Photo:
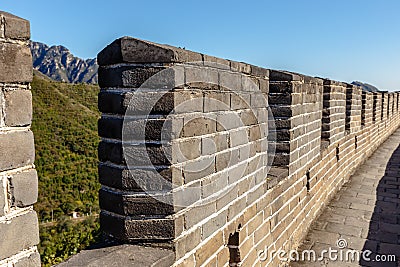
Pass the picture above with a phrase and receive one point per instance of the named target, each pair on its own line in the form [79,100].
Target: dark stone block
[141,230]
[132,77]
[134,206]
[135,179]
[122,255]
[136,155]
[111,152]
[276,174]
[133,129]
[110,127]
[280,99]
[131,50]
[281,87]
[276,75]
[135,103]
[281,159]
[282,111]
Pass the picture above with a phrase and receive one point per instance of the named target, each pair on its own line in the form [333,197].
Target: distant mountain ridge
[57,63]
[366,87]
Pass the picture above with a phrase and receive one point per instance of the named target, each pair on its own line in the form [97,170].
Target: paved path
[365,213]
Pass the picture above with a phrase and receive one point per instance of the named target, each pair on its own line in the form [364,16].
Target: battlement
[203,161]
[221,159]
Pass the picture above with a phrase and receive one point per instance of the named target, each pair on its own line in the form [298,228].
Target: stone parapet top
[122,255]
[13,27]
[132,50]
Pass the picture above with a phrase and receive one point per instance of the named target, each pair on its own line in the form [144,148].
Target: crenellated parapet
[221,160]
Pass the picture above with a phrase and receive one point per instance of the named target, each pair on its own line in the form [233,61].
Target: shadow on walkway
[383,238]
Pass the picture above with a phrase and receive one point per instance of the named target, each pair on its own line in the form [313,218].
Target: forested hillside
[65,129]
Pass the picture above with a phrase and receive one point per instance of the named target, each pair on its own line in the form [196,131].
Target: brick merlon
[15,27]
[136,51]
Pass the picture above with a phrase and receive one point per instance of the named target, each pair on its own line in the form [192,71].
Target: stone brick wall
[298,121]
[334,111]
[187,140]
[366,109]
[353,108]
[19,232]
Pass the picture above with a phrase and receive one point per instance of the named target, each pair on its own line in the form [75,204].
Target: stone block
[201,77]
[197,126]
[132,77]
[214,184]
[15,63]
[275,75]
[21,233]
[214,224]
[135,103]
[187,149]
[131,50]
[187,101]
[15,27]
[135,155]
[32,260]
[24,188]
[187,242]
[205,252]
[134,129]
[120,177]
[16,149]
[230,81]
[250,84]
[198,169]
[122,255]
[216,62]
[239,137]
[135,205]
[18,108]
[142,230]
[259,72]
[228,121]
[240,100]
[198,212]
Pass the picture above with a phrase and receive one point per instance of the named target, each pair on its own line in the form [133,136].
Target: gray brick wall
[19,230]
[188,140]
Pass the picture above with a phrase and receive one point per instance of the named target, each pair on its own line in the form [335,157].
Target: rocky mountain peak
[59,64]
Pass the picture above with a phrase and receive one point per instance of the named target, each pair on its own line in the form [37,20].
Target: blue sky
[344,40]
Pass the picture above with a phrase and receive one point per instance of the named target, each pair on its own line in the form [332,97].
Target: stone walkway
[364,215]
